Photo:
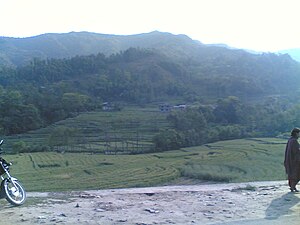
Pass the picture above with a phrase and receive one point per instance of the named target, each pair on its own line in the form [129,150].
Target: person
[292,160]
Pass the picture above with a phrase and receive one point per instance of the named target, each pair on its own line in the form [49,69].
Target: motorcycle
[11,188]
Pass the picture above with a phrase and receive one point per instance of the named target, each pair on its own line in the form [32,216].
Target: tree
[167,140]
[16,116]
[229,110]
[75,102]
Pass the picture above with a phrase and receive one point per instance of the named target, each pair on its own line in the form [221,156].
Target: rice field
[130,131]
[240,160]
[227,161]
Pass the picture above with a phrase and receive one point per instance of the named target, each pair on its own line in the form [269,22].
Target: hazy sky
[262,25]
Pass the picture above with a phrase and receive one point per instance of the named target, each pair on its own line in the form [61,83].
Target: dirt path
[245,203]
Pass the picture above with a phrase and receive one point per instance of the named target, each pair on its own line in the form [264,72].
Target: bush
[21,147]
[167,140]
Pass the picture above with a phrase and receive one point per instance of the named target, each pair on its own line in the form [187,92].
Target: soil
[234,203]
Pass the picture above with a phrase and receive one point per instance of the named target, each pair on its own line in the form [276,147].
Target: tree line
[229,118]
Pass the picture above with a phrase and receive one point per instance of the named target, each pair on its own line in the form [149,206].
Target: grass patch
[219,173]
[48,165]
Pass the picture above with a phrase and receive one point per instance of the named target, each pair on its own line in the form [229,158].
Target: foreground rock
[245,203]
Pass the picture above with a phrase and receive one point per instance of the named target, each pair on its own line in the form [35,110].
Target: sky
[259,25]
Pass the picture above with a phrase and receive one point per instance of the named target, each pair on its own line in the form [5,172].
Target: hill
[294,53]
[196,66]
[230,88]
[177,58]
[20,51]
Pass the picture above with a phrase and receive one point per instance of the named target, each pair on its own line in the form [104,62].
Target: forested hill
[19,51]
[230,71]
[50,77]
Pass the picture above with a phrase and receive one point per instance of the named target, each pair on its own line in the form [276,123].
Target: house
[165,107]
[181,107]
[107,106]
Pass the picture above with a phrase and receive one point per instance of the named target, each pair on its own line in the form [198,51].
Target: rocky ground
[243,203]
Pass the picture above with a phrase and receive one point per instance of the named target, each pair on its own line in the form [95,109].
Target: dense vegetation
[230,93]
[228,119]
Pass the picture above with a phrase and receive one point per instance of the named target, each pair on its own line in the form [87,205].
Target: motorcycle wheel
[15,194]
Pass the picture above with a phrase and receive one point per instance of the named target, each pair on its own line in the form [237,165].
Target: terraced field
[73,171]
[130,130]
[226,161]
[238,160]
[81,164]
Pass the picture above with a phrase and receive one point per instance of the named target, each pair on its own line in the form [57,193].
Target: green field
[127,131]
[82,164]
[227,161]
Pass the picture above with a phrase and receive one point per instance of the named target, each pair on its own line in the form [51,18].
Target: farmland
[130,131]
[98,155]
[227,161]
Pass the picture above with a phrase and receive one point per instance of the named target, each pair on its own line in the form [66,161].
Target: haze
[260,25]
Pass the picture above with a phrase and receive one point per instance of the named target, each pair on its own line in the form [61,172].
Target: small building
[165,107]
[181,107]
[107,106]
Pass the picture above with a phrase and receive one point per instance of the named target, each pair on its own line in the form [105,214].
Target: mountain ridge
[20,51]
[293,52]
[226,67]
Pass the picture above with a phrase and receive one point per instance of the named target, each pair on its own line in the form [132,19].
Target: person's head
[295,132]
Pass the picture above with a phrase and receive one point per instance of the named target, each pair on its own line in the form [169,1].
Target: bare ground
[239,203]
